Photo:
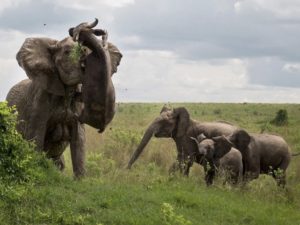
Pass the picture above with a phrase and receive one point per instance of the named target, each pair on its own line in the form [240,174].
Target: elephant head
[213,149]
[183,120]
[241,139]
[169,124]
[48,63]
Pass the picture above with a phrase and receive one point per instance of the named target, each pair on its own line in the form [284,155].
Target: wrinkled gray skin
[220,153]
[52,102]
[176,124]
[262,153]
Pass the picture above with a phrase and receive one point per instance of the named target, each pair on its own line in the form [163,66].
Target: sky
[174,50]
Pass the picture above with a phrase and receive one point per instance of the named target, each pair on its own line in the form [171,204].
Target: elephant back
[17,93]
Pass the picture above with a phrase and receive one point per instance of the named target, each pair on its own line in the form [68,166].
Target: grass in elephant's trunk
[76,53]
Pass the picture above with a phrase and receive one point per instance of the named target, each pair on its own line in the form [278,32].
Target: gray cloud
[209,29]
[273,72]
[195,49]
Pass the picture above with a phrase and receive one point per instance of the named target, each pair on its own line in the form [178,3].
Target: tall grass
[147,194]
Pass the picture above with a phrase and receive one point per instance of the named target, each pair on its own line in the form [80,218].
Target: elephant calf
[262,153]
[219,154]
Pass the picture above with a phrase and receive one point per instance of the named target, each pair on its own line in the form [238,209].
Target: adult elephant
[178,125]
[262,153]
[63,92]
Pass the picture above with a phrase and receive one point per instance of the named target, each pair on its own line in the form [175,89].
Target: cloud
[6,4]
[163,76]
[10,73]
[270,71]
[293,68]
[202,29]
[174,50]
[288,9]
[91,4]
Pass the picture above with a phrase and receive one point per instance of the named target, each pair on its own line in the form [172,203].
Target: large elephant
[62,94]
[220,153]
[176,124]
[262,153]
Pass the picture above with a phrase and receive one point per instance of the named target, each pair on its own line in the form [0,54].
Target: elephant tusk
[76,37]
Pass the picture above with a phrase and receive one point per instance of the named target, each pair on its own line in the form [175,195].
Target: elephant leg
[35,128]
[187,165]
[77,148]
[179,164]
[210,172]
[280,177]
[279,174]
[60,162]
[36,121]
[174,168]
[54,150]
[234,179]
[209,176]
[281,181]
[182,165]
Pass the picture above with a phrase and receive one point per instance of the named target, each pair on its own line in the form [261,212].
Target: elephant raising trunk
[98,92]
[64,92]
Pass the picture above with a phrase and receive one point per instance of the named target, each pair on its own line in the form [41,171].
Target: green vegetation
[281,118]
[76,53]
[110,194]
[19,163]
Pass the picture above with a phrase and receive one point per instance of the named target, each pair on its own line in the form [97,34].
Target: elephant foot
[60,163]
[79,174]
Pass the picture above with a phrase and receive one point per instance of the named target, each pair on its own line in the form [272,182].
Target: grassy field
[146,194]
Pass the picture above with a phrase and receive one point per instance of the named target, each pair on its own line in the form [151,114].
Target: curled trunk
[97,89]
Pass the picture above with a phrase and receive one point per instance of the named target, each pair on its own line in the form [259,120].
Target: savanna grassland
[147,194]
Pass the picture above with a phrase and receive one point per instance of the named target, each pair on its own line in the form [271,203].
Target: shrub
[281,118]
[19,162]
[171,218]
[217,111]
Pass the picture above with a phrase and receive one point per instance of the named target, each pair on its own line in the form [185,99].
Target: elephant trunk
[146,138]
[93,24]
[97,88]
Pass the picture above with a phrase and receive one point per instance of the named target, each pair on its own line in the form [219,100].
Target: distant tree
[281,118]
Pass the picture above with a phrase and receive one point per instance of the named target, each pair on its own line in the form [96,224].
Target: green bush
[281,118]
[19,162]
[171,218]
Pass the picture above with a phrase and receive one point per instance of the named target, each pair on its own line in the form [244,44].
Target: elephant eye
[67,51]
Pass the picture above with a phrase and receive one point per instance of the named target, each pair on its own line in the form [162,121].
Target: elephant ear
[115,57]
[35,57]
[201,137]
[222,146]
[240,139]
[183,119]
[165,108]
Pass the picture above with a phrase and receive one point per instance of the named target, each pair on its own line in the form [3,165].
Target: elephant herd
[62,94]
[218,146]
